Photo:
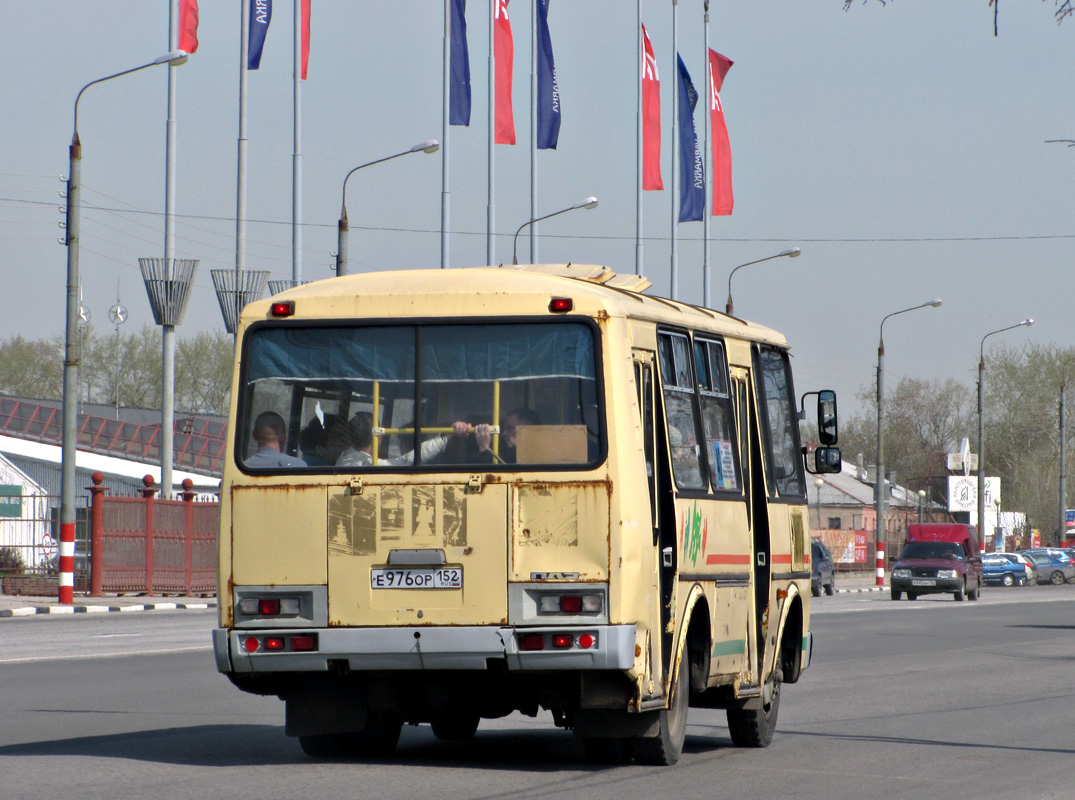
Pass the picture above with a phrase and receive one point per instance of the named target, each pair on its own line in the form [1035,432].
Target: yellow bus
[451,495]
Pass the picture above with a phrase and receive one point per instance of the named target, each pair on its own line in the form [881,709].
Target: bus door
[659,641]
[757,517]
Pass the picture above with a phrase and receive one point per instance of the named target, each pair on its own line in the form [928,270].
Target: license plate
[923,583]
[417,578]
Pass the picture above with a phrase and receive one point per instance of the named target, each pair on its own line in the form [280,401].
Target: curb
[28,611]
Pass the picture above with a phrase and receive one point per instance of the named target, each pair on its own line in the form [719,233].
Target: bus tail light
[532,641]
[304,643]
[570,604]
[562,641]
[274,643]
[269,606]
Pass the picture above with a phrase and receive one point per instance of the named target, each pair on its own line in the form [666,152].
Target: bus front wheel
[754,727]
[665,748]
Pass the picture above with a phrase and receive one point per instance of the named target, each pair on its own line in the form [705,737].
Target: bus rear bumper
[599,647]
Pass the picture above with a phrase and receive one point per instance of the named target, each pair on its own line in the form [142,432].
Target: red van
[939,559]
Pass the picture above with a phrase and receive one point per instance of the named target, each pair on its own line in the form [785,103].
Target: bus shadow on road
[549,750]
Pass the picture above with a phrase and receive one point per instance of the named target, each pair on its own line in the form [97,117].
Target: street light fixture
[921,500]
[879,485]
[589,202]
[981,426]
[792,253]
[429,146]
[71,355]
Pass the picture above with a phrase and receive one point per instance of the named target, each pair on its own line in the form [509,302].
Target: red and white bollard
[67,563]
[880,563]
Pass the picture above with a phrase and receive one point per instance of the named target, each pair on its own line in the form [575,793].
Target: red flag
[305,37]
[188,25]
[651,118]
[722,148]
[504,55]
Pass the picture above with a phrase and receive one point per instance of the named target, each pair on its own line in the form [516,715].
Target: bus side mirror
[827,428]
[827,460]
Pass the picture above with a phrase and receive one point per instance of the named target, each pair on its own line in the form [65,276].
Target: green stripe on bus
[732,647]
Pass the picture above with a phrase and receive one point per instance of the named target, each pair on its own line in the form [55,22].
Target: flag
[305,31]
[722,148]
[548,97]
[504,56]
[691,165]
[459,91]
[188,25]
[260,16]
[651,118]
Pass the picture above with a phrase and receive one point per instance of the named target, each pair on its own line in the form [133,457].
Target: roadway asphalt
[25,605]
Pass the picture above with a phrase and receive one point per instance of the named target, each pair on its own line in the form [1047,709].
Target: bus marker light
[560,305]
[562,641]
[586,641]
[282,308]
[250,644]
[533,641]
[274,643]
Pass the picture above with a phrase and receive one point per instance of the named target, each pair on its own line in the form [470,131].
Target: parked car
[1051,568]
[1028,565]
[824,570]
[998,569]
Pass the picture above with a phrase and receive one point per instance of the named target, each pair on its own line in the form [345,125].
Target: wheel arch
[792,633]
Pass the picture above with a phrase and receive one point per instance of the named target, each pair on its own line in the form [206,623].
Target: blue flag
[459,92]
[548,90]
[260,16]
[691,165]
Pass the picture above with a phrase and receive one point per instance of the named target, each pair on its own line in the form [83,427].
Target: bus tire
[664,749]
[455,725]
[324,745]
[754,727]
[379,738]
[603,750]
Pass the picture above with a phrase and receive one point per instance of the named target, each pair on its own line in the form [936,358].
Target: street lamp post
[879,485]
[589,202]
[921,500]
[430,146]
[728,306]
[981,426]
[1062,529]
[71,355]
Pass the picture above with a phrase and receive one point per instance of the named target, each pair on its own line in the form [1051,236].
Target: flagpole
[533,133]
[446,106]
[490,254]
[168,331]
[675,153]
[638,139]
[706,166]
[240,187]
[296,159]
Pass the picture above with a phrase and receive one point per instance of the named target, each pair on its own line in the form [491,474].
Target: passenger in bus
[508,437]
[359,454]
[270,435]
[322,442]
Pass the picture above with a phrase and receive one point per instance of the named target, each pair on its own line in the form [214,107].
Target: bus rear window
[350,397]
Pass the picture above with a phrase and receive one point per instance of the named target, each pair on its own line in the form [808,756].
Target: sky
[901,146]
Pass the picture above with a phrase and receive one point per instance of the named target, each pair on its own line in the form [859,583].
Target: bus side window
[776,409]
[718,423]
[679,409]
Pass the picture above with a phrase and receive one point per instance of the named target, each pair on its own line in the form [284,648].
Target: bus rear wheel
[664,749]
[455,725]
[379,738]
[754,727]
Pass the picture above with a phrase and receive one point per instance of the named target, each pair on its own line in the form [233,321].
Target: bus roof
[492,291]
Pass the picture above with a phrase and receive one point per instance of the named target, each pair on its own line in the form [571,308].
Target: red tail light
[532,641]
